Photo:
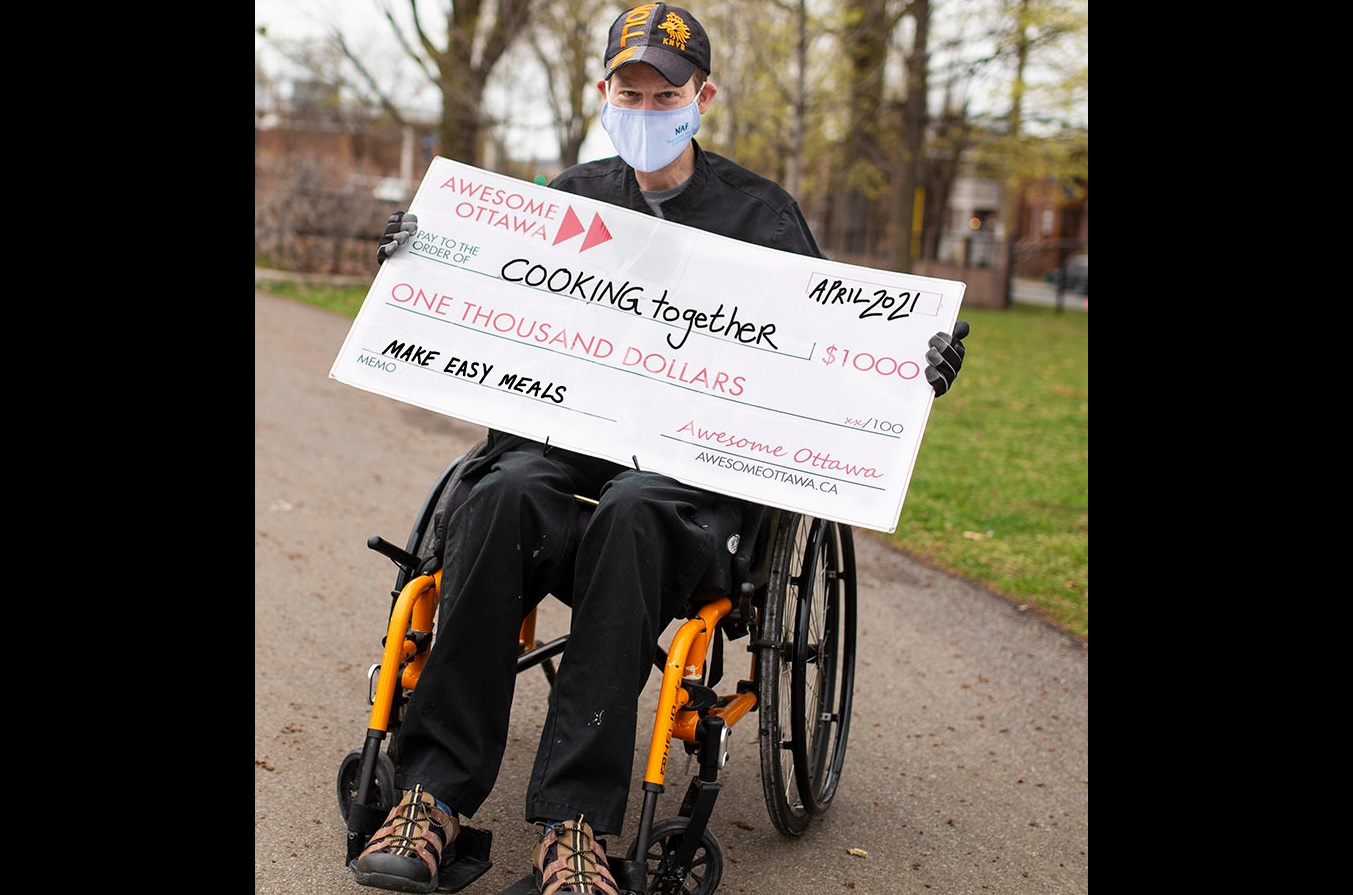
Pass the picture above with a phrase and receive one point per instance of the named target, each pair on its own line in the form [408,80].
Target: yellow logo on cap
[678,32]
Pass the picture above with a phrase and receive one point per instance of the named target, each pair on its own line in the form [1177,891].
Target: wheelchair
[793,602]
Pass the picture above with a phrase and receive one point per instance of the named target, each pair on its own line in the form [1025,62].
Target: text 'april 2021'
[873,301]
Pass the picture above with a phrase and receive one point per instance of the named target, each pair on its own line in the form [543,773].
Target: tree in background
[1049,147]
[913,124]
[566,45]
[864,109]
[765,98]
[472,43]
[862,179]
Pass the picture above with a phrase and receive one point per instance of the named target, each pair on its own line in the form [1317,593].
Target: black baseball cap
[664,36]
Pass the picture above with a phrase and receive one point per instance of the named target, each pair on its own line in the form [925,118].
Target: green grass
[1000,493]
[345,300]
[1001,489]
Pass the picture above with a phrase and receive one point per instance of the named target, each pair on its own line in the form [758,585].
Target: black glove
[402,225]
[945,358]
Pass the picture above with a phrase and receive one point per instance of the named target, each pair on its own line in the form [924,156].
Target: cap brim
[676,69]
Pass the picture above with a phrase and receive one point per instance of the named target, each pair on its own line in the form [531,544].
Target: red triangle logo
[570,228]
[596,234]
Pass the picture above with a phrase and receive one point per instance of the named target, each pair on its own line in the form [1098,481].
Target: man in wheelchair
[515,538]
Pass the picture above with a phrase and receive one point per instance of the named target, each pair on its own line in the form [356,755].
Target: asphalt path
[967,769]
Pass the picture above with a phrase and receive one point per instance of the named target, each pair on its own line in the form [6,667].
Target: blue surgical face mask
[650,140]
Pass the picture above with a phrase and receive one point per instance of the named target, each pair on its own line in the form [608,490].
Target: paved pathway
[967,771]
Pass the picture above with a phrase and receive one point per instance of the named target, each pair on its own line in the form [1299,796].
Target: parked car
[1075,274]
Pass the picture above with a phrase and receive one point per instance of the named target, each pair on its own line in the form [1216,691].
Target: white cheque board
[783,379]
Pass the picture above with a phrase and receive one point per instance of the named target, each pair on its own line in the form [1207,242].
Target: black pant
[514,540]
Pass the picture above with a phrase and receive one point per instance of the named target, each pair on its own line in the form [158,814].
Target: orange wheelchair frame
[796,605]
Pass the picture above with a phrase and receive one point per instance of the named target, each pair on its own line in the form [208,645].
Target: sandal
[569,859]
[405,854]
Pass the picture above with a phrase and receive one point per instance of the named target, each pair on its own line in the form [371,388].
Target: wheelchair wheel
[805,678]
[424,531]
[383,795]
[666,877]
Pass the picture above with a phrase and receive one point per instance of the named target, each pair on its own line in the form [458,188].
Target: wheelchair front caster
[383,795]
[668,877]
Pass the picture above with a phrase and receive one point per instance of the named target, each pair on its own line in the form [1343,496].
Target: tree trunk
[914,121]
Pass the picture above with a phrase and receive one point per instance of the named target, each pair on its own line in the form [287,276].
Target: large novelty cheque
[779,378]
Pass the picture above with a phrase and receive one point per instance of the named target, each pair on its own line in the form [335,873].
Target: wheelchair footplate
[629,876]
[471,860]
